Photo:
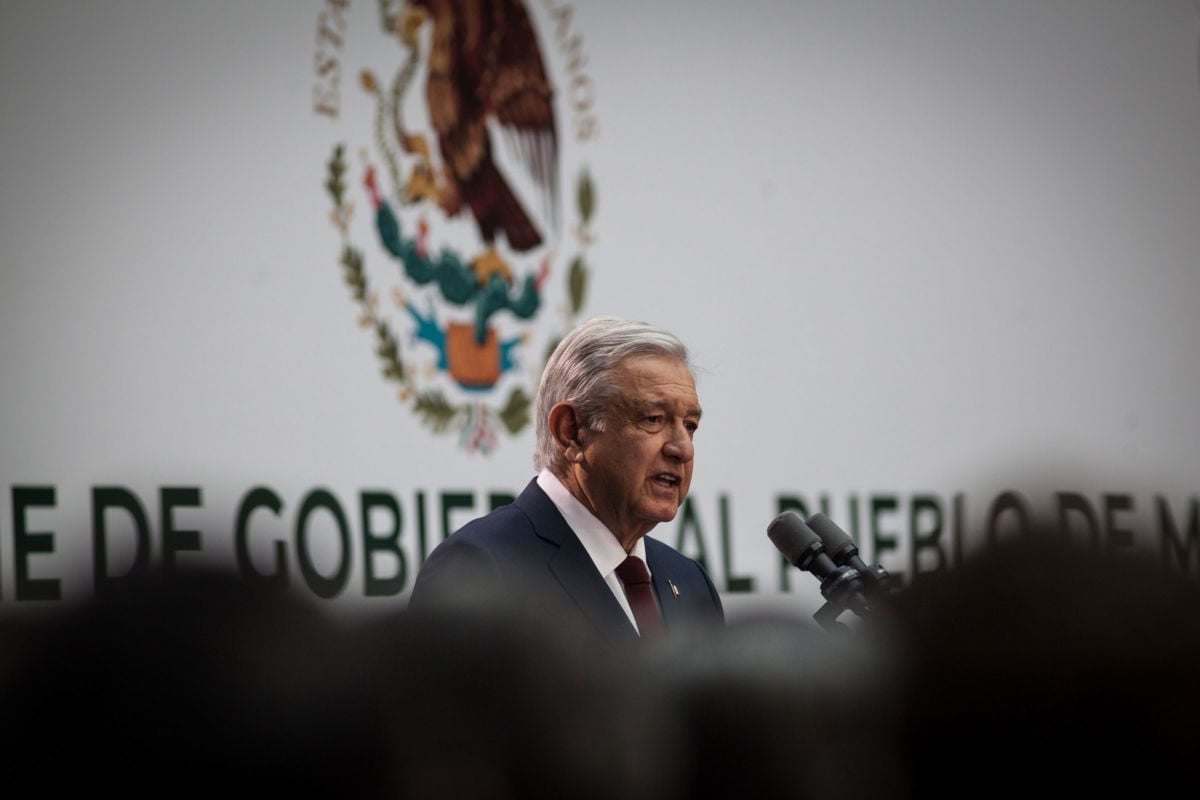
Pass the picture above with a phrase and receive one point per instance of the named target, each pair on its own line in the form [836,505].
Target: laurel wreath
[431,405]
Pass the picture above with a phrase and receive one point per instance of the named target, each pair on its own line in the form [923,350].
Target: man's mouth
[667,479]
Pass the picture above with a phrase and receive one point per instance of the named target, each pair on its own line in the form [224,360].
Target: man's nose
[679,444]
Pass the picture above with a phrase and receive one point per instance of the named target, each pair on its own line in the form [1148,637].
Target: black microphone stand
[842,591]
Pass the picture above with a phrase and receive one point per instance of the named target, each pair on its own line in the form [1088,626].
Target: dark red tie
[634,575]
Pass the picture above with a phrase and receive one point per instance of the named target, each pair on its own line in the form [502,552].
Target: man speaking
[617,411]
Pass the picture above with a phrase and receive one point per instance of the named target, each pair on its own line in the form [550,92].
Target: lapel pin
[674,588]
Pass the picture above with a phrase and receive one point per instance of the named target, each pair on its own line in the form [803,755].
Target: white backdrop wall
[927,254]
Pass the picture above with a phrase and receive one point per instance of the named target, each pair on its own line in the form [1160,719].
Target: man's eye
[654,419]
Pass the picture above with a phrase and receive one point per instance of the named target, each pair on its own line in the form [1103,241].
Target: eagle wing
[521,98]
[485,65]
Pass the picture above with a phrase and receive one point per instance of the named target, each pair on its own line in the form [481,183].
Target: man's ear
[567,431]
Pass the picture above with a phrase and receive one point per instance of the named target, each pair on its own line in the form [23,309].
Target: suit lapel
[573,568]
[661,582]
[578,577]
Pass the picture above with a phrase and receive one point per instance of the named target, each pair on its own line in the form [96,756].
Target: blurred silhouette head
[771,708]
[491,704]
[1045,662]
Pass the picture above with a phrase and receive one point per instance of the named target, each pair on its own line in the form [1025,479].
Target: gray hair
[580,372]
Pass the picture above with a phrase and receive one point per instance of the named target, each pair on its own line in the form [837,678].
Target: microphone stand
[842,590]
[827,617]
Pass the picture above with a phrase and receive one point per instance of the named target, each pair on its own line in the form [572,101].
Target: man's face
[636,473]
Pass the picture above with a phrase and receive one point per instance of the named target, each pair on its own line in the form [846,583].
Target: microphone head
[843,551]
[792,537]
[801,546]
[837,542]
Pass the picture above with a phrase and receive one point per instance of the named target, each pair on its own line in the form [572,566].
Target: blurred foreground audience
[188,685]
[1049,669]
[1034,669]
[196,685]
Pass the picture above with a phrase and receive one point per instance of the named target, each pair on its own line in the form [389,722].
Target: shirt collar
[599,542]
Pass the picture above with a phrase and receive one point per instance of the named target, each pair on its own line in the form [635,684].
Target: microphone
[842,550]
[841,586]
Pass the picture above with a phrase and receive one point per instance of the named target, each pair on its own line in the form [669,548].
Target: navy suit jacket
[527,551]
